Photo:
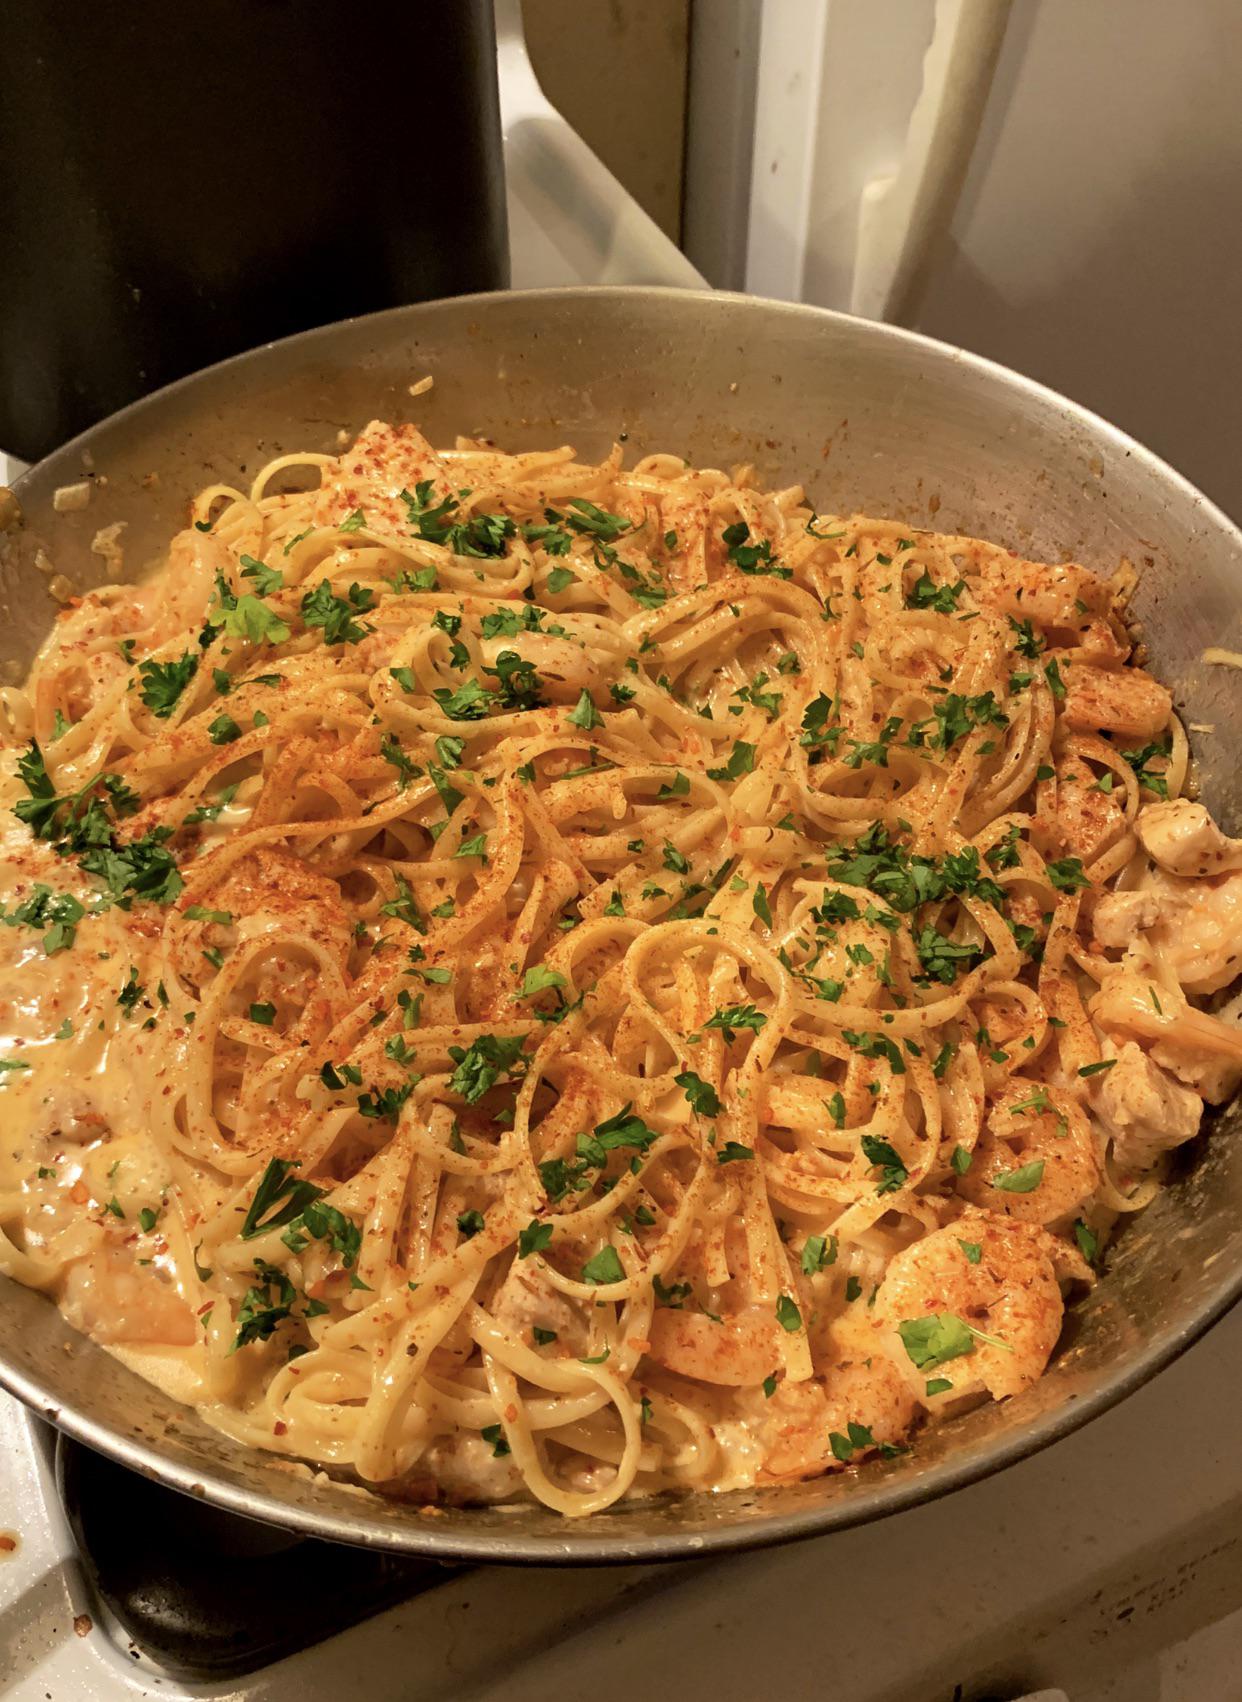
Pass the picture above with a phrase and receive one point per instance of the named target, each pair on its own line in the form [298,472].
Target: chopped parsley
[844,1447]
[1153,779]
[58,912]
[936,1339]
[223,730]
[279,1197]
[888,1161]
[750,557]
[1067,874]
[876,1046]
[731,1018]
[787,1314]
[164,682]
[1088,1241]
[1021,1181]
[584,714]
[604,1267]
[818,1252]
[741,761]
[335,615]
[265,1305]
[702,1096]
[266,579]
[925,593]
[943,959]
[483,1063]
[533,1239]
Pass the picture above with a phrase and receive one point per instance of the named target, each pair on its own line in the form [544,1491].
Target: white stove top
[1073,1569]
[1068,1570]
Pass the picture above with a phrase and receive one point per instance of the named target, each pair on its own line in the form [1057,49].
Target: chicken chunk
[1202,1050]
[1144,1110]
[1214,1076]
[1115,700]
[526,1300]
[1182,837]
[1194,927]
[1199,931]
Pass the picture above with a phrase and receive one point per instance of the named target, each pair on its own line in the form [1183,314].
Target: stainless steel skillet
[869,418]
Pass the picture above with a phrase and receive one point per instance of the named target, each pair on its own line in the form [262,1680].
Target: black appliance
[179,183]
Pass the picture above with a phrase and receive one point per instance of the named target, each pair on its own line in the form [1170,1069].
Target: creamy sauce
[788,1149]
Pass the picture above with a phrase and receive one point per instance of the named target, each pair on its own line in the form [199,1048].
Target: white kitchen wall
[1098,241]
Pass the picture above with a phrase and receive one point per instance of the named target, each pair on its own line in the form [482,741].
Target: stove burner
[209,1595]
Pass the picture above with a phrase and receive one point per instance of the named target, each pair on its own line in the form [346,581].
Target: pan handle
[903,215]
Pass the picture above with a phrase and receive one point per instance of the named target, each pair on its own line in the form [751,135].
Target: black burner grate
[209,1595]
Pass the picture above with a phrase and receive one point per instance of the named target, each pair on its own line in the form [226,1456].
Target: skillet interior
[869,418]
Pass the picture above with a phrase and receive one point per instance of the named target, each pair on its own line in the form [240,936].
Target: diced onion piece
[106,543]
[71,499]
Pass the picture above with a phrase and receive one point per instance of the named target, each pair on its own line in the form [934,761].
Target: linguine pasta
[526,977]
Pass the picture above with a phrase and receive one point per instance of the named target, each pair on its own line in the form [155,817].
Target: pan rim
[576,1545]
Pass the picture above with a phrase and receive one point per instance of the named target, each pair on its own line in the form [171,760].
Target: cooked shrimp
[108,1297]
[740,1350]
[1009,1292]
[1035,1160]
[163,607]
[384,461]
[150,613]
[1182,837]
[1200,1049]
[1050,594]
[1198,934]
[862,1388]
[1112,700]
[1144,1110]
